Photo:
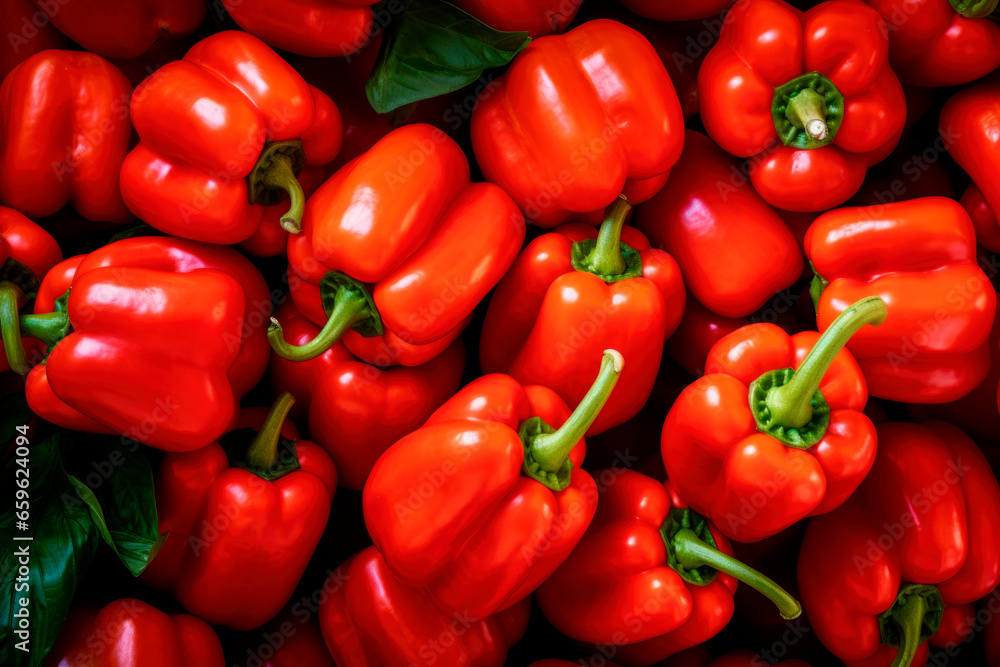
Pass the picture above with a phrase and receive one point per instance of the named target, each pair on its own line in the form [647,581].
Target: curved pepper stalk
[274,177]
[787,404]
[546,450]
[977,9]
[269,455]
[807,111]
[606,256]
[911,620]
[50,328]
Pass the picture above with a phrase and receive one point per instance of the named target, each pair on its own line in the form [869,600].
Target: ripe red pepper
[202,306]
[920,257]
[356,410]
[798,447]
[918,536]
[677,10]
[650,576]
[711,220]
[577,120]
[66,130]
[197,177]
[372,619]
[131,632]
[537,17]
[318,28]
[242,521]
[941,42]
[568,297]
[809,96]
[398,248]
[25,37]
[983,219]
[481,504]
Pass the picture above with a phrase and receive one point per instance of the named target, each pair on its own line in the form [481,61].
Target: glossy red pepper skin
[451,511]
[25,37]
[405,219]
[934,45]
[983,219]
[767,43]
[677,10]
[66,130]
[920,257]
[711,220]
[228,356]
[549,322]
[372,619]
[356,410]
[188,175]
[131,632]
[308,27]
[117,30]
[237,544]
[536,17]
[577,120]
[928,513]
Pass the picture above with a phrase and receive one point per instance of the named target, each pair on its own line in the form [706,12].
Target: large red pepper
[242,520]
[131,632]
[569,296]
[941,42]
[356,410]
[487,499]
[226,128]
[577,120]
[202,306]
[537,17]
[66,130]
[918,536]
[735,252]
[920,257]
[809,96]
[677,10]
[27,32]
[650,576]
[319,28]
[398,248]
[372,619]
[798,447]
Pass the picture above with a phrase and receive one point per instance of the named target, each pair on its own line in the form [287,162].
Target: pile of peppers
[460,333]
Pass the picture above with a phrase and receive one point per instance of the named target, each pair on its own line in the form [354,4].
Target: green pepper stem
[349,308]
[806,111]
[606,258]
[976,9]
[791,404]
[279,175]
[550,450]
[11,300]
[909,617]
[263,451]
[692,552]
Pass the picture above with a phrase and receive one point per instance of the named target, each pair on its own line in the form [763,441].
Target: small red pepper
[481,504]
[131,632]
[918,536]
[577,120]
[398,248]
[650,576]
[574,293]
[810,97]
[536,17]
[25,37]
[227,127]
[372,619]
[319,28]
[66,130]
[799,446]
[242,521]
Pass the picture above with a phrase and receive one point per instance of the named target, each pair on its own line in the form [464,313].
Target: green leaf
[64,540]
[433,48]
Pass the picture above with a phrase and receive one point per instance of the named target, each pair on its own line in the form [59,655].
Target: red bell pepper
[569,296]
[983,219]
[397,249]
[242,521]
[66,130]
[320,28]
[202,306]
[920,257]
[711,220]
[919,535]
[481,504]
[131,632]
[577,120]
[356,410]
[649,577]
[372,619]
[196,176]
[798,447]
[941,42]
[536,17]
[28,31]
[810,97]
[677,10]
